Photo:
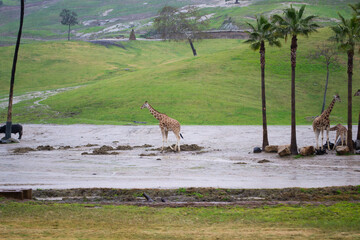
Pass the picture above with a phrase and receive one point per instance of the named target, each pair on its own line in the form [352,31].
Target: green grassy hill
[220,86]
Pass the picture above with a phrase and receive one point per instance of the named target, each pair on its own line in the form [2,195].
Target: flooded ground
[93,156]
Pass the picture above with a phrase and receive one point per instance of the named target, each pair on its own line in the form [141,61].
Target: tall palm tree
[294,23]
[262,32]
[9,115]
[347,34]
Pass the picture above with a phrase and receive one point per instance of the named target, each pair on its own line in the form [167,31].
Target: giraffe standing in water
[166,124]
[341,132]
[322,123]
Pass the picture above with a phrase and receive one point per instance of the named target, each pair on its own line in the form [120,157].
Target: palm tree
[262,32]
[347,34]
[294,23]
[9,115]
[358,133]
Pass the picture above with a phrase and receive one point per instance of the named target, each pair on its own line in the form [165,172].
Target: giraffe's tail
[181,136]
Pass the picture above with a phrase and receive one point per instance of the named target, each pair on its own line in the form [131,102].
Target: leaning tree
[294,23]
[180,24]
[262,32]
[12,81]
[329,54]
[347,34]
[68,18]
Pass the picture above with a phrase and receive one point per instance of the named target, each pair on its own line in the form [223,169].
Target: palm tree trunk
[262,63]
[9,115]
[350,73]
[358,133]
[192,47]
[326,86]
[293,145]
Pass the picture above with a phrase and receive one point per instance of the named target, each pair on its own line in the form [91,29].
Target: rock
[284,150]
[307,151]
[264,161]
[342,150]
[257,150]
[320,151]
[271,148]
[357,144]
[330,144]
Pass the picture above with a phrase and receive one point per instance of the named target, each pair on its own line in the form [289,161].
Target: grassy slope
[79,221]
[220,86]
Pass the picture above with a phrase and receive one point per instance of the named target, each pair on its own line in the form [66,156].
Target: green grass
[81,221]
[220,86]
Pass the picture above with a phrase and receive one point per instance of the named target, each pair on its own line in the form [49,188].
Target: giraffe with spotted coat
[166,124]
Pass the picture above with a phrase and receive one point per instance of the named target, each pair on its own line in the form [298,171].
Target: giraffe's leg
[327,137]
[317,132]
[336,139]
[178,142]
[163,138]
[166,134]
[322,138]
[177,135]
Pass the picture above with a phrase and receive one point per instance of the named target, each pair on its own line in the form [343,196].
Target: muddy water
[224,159]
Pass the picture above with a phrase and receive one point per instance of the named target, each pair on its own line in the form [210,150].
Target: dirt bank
[201,196]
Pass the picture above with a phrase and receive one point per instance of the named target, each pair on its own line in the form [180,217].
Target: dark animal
[15,128]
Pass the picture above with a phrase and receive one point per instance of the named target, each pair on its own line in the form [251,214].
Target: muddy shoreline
[199,197]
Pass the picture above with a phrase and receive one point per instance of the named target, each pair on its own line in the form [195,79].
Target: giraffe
[322,123]
[341,132]
[166,124]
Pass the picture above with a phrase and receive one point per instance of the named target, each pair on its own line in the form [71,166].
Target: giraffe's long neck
[329,109]
[155,113]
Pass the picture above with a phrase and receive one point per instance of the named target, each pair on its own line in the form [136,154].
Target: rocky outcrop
[284,150]
[307,151]
[271,148]
[342,150]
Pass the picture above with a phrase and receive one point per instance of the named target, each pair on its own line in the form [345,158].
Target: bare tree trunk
[192,47]
[358,133]
[350,73]
[293,145]
[326,86]
[11,94]
[262,63]
[69,33]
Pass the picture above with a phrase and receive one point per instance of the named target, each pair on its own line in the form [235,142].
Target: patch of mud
[147,155]
[126,147]
[203,195]
[264,161]
[23,150]
[103,150]
[184,147]
[144,146]
[45,148]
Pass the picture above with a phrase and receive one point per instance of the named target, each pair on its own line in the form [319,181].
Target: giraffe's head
[145,105]
[337,98]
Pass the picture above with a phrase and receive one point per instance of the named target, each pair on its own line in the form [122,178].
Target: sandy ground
[226,161]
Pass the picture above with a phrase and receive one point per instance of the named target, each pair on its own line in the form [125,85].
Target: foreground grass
[78,221]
